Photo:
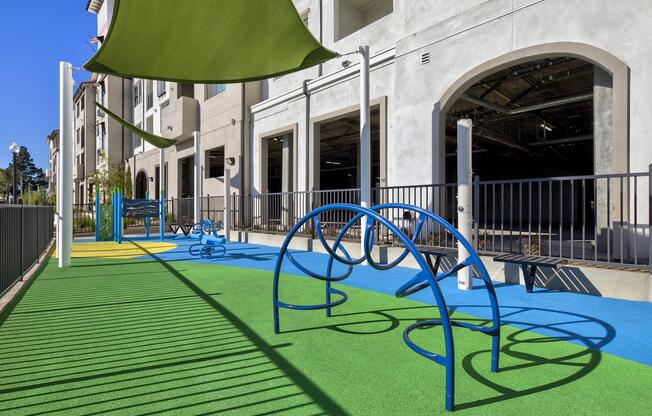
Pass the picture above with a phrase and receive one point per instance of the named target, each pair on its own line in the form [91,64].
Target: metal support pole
[365,141]
[227,204]
[197,201]
[464,195]
[14,181]
[162,188]
[147,218]
[97,216]
[66,137]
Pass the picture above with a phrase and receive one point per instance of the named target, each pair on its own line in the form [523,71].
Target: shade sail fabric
[154,140]
[206,41]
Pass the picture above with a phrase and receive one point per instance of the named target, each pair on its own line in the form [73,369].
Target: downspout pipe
[306,94]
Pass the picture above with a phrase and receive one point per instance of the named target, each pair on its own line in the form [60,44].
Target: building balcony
[180,118]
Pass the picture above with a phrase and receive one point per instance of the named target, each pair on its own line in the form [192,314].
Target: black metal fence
[600,219]
[25,233]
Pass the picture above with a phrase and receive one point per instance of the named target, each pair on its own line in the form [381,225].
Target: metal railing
[25,233]
[83,219]
[279,212]
[600,219]
[593,218]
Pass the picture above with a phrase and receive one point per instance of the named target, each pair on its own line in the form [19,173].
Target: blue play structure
[423,280]
[128,208]
[210,242]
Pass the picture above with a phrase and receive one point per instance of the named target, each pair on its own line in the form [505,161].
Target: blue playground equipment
[128,208]
[210,242]
[423,280]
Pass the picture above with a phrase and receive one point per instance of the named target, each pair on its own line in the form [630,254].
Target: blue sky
[34,36]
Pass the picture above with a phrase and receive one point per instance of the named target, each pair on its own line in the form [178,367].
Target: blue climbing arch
[423,280]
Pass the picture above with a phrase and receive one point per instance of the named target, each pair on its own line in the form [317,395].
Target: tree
[110,175]
[28,174]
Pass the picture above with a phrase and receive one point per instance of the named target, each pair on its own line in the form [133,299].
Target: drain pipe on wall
[306,93]
[243,160]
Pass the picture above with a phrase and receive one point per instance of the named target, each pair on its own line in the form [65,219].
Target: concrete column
[365,140]
[197,176]
[286,179]
[66,140]
[464,195]
[607,204]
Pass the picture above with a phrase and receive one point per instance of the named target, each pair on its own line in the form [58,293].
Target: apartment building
[85,144]
[53,161]
[173,110]
[434,62]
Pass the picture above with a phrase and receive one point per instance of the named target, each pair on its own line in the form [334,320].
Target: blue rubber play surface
[618,327]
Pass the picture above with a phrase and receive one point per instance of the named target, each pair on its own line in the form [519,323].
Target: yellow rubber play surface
[112,250]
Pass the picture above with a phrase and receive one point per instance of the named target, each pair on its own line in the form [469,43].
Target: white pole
[197,199]
[161,174]
[464,195]
[365,141]
[227,204]
[64,198]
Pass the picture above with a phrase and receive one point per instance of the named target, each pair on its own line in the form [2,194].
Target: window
[102,134]
[138,93]
[77,135]
[81,102]
[136,140]
[215,162]
[149,93]
[213,89]
[149,124]
[353,15]
[82,137]
[161,88]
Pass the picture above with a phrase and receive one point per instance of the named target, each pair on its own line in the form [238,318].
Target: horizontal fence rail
[25,233]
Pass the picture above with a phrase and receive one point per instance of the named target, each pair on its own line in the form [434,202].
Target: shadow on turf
[591,352]
[309,388]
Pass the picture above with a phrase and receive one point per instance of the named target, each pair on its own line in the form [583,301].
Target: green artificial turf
[147,337]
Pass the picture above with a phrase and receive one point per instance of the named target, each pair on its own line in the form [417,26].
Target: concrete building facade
[425,55]
[85,156]
[53,159]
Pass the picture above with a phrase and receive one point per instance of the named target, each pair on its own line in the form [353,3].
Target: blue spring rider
[423,280]
[210,243]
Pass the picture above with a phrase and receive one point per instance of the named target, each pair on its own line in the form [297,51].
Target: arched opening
[141,185]
[557,111]
[530,120]
[513,89]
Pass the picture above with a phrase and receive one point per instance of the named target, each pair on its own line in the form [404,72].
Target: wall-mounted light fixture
[230,161]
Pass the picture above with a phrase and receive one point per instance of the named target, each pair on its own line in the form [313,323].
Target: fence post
[208,207]
[22,239]
[476,211]
[97,216]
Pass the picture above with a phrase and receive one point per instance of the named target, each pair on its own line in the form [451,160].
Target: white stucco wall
[459,36]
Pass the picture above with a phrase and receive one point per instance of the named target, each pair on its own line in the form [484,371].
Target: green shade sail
[206,41]
[154,140]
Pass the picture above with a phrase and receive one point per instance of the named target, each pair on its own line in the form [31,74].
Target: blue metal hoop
[421,281]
